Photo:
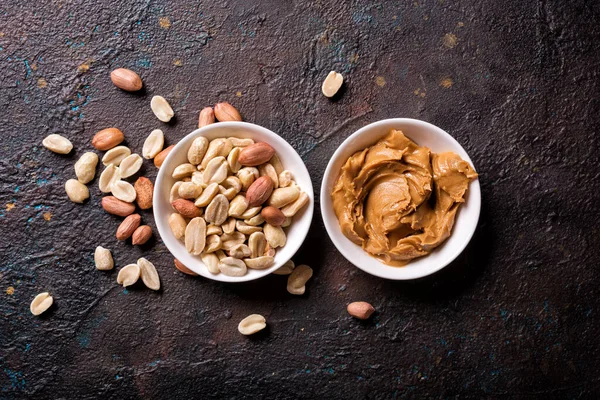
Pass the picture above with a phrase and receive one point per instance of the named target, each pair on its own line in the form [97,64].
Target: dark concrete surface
[516,83]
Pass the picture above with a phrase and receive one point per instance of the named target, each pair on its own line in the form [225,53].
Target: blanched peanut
[247,229]
[268,170]
[211,261]
[183,170]
[240,251]
[219,147]
[229,226]
[215,170]
[195,236]
[213,243]
[291,209]
[285,269]
[232,159]
[177,224]
[189,190]
[197,150]
[286,179]
[247,176]
[298,278]
[207,195]
[275,236]
[252,324]
[238,206]
[232,267]
[283,196]
[257,244]
[230,240]
[261,262]
[230,187]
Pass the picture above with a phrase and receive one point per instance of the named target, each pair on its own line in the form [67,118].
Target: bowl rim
[325,199]
[182,145]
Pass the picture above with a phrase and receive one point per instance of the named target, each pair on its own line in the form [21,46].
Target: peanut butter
[397,200]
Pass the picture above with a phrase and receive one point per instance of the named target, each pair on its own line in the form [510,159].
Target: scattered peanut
[285,269]
[251,324]
[148,274]
[332,83]
[128,275]
[85,167]
[103,259]
[76,191]
[41,303]
[161,108]
[130,165]
[153,144]
[126,79]
[57,144]
[141,235]
[298,278]
[360,309]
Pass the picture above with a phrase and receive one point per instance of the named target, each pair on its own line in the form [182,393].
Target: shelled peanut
[231,203]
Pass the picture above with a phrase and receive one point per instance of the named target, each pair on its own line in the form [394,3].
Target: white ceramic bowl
[296,232]
[424,134]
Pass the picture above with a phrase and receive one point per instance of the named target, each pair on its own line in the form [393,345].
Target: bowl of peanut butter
[400,199]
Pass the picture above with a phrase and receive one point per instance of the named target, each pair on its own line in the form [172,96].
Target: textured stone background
[516,83]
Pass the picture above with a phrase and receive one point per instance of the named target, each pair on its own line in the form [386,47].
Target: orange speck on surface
[34,66]
[380,81]
[47,216]
[460,24]
[354,58]
[10,290]
[450,40]
[41,83]
[422,94]
[238,93]
[394,17]
[425,17]
[10,206]
[1,34]
[85,67]
[164,22]
[416,92]
[177,62]
[446,83]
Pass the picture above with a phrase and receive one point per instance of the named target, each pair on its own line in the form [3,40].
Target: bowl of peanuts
[233,201]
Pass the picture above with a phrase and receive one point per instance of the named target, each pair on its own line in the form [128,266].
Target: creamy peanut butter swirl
[397,200]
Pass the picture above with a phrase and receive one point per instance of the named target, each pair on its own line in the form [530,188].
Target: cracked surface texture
[516,83]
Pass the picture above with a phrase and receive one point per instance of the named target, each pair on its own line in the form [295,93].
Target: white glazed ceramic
[424,134]
[296,232]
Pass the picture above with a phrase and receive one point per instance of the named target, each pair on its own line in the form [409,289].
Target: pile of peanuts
[231,201]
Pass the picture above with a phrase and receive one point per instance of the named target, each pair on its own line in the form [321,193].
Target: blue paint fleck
[17,189]
[144,63]
[27,347]
[125,291]
[16,380]
[504,314]
[84,340]
[361,16]
[117,377]
[154,363]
